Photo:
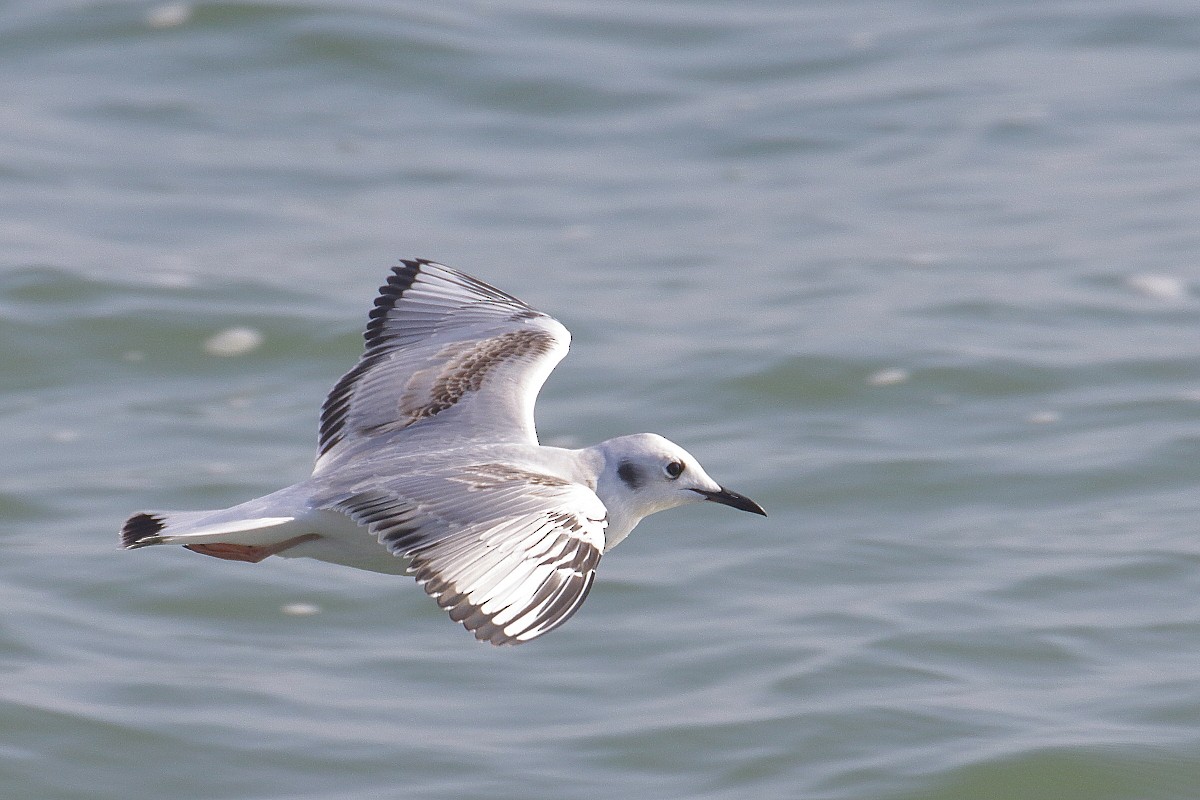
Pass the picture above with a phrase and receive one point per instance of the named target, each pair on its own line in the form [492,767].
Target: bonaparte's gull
[428,464]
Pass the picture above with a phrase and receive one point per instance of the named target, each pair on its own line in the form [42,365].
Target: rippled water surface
[921,278]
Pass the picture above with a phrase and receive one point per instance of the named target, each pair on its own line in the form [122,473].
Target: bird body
[428,464]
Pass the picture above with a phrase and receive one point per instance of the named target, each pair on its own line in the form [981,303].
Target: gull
[428,464]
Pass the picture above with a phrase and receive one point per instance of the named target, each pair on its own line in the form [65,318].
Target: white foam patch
[888,377]
[924,258]
[168,15]
[1158,287]
[300,609]
[233,342]
[173,280]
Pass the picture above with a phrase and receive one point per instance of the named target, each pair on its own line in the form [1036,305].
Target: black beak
[733,500]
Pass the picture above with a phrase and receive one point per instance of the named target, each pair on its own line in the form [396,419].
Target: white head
[645,473]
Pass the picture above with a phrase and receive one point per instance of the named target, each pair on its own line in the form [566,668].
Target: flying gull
[429,465]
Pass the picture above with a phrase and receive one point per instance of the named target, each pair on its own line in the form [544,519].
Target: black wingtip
[398,282]
[138,528]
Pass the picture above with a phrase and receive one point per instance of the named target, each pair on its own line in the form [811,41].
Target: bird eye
[674,469]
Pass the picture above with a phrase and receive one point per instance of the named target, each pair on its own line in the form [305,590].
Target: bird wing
[510,553]
[446,351]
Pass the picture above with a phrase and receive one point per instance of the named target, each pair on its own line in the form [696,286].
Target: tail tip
[141,530]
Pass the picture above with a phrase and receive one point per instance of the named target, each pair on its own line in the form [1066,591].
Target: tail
[198,527]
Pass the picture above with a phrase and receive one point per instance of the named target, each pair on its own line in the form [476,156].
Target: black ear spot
[628,473]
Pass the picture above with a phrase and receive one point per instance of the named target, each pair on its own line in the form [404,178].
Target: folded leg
[248,552]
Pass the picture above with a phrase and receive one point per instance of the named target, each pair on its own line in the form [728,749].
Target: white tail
[199,527]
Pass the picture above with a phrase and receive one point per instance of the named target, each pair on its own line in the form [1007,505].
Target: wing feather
[442,346]
[508,553]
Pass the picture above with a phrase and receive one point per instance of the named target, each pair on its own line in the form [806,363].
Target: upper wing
[511,554]
[442,346]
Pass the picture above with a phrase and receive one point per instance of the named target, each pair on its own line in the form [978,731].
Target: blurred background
[919,277]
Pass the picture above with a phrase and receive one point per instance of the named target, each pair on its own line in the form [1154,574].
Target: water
[920,278]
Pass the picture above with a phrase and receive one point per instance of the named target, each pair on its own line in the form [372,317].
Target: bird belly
[341,540]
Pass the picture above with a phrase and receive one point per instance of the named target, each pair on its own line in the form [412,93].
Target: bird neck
[623,513]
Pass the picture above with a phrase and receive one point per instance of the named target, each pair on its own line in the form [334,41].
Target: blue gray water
[920,277]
